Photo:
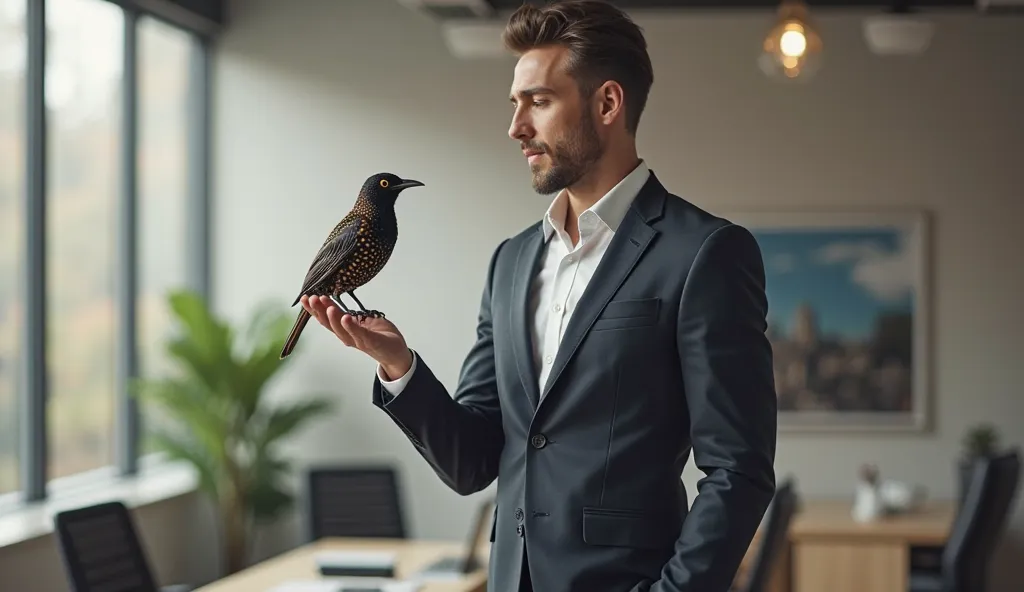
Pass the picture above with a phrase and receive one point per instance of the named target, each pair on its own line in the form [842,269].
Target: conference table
[825,550]
[299,564]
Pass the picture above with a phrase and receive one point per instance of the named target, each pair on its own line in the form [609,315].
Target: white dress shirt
[565,271]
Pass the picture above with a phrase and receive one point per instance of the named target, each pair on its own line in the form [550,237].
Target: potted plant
[220,421]
[981,441]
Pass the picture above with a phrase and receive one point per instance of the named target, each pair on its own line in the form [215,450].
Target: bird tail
[293,336]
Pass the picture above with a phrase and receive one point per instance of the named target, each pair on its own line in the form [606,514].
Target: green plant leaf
[259,353]
[266,500]
[204,347]
[283,420]
[208,420]
[267,328]
[256,372]
[179,448]
[215,397]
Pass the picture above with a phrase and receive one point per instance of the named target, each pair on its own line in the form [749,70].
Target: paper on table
[356,558]
[333,584]
[306,586]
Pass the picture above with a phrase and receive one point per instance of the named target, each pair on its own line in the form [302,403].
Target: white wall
[303,117]
[311,96]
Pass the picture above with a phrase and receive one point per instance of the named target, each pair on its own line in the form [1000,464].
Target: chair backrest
[980,522]
[101,550]
[354,502]
[779,516]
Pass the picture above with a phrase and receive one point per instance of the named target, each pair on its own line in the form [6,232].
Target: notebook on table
[347,585]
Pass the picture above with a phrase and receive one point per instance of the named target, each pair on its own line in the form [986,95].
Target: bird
[355,250]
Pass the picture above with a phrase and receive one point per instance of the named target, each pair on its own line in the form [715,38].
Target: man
[624,328]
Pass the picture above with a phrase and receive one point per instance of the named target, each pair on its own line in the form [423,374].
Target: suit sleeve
[393,388]
[726,361]
[460,436]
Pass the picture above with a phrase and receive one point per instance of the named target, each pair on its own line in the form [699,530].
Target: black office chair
[978,527]
[354,502]
[779,516]
[101,551]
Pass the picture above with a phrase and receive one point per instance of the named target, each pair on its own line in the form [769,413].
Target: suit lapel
[630,241]
[527,264]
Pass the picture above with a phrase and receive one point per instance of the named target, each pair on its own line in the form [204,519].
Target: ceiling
[503,5]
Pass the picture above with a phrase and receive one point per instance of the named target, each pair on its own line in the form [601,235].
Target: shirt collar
[610,209]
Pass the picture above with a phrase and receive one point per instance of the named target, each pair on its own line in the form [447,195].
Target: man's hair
[604,44]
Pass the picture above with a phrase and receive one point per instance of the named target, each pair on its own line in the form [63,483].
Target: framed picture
[848,315]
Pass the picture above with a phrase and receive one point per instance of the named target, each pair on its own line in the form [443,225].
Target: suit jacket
[665,354]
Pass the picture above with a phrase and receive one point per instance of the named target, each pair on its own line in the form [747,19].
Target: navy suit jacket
[666,355]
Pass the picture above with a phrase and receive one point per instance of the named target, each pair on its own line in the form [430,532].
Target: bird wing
[330,257]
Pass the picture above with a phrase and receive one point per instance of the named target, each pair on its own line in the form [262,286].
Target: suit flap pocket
[628,528]
[625,309]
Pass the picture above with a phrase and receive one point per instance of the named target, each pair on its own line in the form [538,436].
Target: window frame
[203,22]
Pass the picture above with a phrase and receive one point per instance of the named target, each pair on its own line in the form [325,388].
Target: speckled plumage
[355,251]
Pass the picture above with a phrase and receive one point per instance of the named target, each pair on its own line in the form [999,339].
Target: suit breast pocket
[622,314]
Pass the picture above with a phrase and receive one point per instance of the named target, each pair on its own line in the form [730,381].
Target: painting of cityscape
[847,317]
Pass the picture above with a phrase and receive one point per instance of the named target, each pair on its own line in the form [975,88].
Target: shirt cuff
[395,387]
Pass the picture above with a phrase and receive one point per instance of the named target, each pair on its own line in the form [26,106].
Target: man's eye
[539,103]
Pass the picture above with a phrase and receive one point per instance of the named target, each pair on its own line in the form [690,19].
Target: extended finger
[334,318]
[319,310]
[307,305]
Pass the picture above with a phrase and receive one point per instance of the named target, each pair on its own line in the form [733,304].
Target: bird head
[383,188]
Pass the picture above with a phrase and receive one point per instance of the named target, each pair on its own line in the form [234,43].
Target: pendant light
[792,48]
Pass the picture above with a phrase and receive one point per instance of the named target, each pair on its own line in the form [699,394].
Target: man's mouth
[532,155]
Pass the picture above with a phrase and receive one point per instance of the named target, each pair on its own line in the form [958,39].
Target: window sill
[22,522]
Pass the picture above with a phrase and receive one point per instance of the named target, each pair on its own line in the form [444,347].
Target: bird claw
[373,314]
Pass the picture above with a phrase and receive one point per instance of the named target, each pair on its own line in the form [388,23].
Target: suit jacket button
[520,530]
[519,513]
[538,441]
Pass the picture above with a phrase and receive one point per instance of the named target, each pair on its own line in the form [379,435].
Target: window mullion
[126,448]
[34,388]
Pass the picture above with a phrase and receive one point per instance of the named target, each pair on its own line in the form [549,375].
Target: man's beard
[571,158]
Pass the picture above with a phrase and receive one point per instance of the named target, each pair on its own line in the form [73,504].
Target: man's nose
[519,128]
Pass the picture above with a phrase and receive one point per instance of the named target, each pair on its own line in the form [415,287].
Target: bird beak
[405,184]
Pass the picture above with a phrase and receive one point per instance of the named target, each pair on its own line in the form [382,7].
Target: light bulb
[793,43]
[792,48]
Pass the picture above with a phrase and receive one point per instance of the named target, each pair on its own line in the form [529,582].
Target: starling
[355,251]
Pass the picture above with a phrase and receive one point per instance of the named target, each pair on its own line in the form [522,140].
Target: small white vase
[867,504]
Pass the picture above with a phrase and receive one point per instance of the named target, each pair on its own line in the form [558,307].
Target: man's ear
[610,100]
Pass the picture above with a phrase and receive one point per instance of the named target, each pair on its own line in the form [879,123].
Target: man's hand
[376,337]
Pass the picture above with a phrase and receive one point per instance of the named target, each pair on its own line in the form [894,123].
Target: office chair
[354,502]
[101,551]
[779,517]
[978,526]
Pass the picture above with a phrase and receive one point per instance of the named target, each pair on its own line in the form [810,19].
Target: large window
[103,199]
[12,165]
[83,98]
[164,173]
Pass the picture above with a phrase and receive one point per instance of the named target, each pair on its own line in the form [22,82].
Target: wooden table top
[927,525]
[299,564]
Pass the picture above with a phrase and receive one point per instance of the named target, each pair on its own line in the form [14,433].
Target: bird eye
[383,182]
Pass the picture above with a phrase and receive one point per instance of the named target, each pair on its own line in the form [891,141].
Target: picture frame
[849,316]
